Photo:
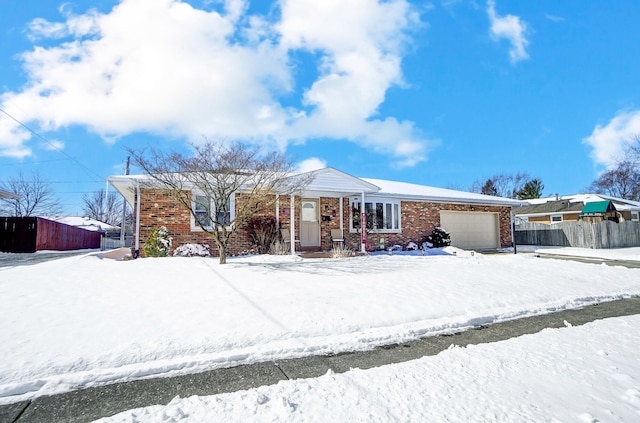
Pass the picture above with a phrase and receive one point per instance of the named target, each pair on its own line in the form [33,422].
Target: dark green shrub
[438,238]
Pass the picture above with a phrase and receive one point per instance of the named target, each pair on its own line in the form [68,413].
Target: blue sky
[439,93]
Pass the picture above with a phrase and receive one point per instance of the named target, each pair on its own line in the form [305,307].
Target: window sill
[378,231]
[208,229]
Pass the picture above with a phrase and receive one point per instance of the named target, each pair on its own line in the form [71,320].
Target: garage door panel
[471,230]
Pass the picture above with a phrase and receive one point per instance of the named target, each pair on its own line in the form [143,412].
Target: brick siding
[418,219]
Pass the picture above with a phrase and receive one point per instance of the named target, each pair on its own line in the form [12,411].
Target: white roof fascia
[8,195]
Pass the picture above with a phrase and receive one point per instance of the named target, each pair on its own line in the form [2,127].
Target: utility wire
[35,162]
[55,147]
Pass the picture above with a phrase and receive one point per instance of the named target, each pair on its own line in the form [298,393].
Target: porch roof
[331,182]
[326,182]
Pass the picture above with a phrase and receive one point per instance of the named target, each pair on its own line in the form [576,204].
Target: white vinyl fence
[579,234]
[112,243]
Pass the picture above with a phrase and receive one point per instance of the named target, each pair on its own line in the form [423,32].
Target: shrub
[438,238]
[192,250]
[262,232]
[340,251]
[411,246]
[158,244]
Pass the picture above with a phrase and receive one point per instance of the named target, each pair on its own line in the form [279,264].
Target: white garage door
[471,230]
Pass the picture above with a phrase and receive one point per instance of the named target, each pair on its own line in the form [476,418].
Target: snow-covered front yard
[86,320]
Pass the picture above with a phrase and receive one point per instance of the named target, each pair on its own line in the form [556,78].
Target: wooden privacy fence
[604,234]
[30,234]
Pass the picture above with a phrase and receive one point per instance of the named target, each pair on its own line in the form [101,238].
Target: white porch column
[363,226]
[342,215]
[278,211]
[292,225]
[137,249]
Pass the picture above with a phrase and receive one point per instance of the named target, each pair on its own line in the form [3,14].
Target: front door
[309,224]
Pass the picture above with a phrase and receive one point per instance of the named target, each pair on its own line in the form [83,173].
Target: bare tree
[100,207]
[35,197]
[205,184]
[502,184]
[623,180]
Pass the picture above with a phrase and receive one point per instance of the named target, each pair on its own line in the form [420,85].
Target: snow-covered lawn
[585,374]
[85,320]
[603,253]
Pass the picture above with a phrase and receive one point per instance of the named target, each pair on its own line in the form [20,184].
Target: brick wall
[419,219]
[159,208]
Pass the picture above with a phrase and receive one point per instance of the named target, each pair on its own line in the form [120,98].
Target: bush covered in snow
[411,246]
[192,250]
[158,244]
[438,238]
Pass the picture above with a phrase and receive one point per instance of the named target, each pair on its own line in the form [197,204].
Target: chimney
[557,196]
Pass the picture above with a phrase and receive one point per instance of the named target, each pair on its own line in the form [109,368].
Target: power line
[55,147]
[30,163]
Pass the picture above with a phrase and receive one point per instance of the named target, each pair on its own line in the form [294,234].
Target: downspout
[513,231]
[136,252]
[363,226]
[292,225]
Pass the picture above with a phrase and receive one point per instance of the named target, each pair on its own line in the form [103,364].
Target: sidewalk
[93,403]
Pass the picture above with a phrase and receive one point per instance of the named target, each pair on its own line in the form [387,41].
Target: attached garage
[472,230]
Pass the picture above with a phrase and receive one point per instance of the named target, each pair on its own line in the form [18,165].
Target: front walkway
[93,403]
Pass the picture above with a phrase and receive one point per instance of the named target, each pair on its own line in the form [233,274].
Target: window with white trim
[555,218]
[204,210]
[382,215]
[635,216]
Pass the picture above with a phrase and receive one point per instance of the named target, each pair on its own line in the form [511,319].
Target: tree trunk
[223,254]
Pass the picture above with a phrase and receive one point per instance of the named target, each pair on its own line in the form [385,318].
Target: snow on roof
[620,203]
[415,191]
[84,223]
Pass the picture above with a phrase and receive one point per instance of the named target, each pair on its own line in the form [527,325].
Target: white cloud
[310,164]
[511,28]
[610,141]
[554,18]
[186,72]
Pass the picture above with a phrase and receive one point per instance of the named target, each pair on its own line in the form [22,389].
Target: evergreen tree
[531,189]
[489,188]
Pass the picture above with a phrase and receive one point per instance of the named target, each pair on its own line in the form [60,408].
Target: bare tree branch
[218,171]
[100,207]
[36,197]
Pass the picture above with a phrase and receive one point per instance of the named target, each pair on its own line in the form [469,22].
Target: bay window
[382,215]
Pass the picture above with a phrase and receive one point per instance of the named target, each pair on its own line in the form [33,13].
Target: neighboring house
[395,213]
[588,207]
